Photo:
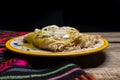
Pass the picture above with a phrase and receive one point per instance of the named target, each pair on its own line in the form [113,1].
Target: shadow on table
[86,61]
[89,61]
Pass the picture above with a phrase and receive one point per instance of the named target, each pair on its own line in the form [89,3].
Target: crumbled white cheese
[37,30]
[66,36]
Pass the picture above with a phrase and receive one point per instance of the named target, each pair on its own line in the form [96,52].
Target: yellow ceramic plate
[14,45]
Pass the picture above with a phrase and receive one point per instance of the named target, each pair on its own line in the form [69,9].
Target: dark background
[87,16]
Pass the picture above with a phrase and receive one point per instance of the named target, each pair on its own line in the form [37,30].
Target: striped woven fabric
[20,69]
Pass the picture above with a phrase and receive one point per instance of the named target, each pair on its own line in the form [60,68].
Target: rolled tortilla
[56,38]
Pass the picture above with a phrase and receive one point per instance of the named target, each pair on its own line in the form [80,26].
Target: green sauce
[28,45]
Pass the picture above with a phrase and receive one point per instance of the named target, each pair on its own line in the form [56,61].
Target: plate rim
[56,54]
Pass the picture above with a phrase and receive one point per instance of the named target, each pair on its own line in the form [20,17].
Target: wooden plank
[109,68]
[110,36]
[105,73]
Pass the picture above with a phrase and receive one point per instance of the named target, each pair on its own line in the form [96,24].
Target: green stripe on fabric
[1,57]
[35,75]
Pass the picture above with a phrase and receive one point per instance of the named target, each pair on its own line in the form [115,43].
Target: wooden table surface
[106,65]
